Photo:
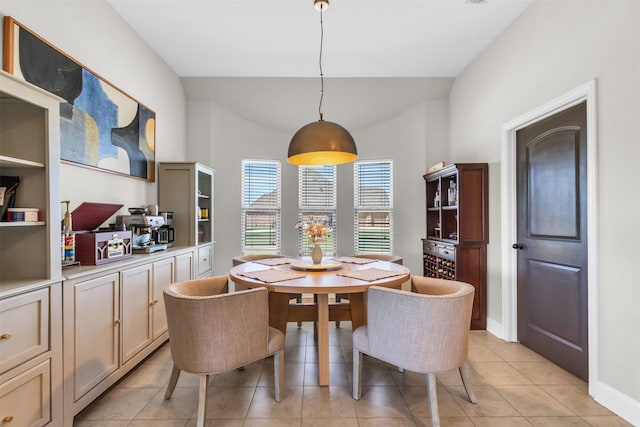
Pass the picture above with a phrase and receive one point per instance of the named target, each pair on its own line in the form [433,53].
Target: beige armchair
[425,332]
[382,257]
[256,257]
[211,331]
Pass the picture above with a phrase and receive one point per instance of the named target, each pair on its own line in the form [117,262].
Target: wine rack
[439,261]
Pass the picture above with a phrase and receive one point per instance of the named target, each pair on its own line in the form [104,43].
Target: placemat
[370,274]
[272,275]
[274,261]
[355,260]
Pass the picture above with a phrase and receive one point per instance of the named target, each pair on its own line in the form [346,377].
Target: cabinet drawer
[204,260]
[429,248]
[24,328]
[25,399]
[447,252]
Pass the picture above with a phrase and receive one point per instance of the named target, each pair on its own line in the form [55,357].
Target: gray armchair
[425,332]
[211,331]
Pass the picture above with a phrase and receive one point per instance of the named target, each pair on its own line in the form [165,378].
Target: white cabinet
[186,189]
[143,315]
[114,317]
[205,261]
[31,357]
[25,399]
[163,274]
[30,150]
[184,267]
[30,258]
[91,332]
[136,308]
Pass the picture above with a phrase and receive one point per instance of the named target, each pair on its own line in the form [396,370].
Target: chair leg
[202,400]
[465,374]
[299,301]
[278,371]
[338,299]
[357,374]
[173,380]
[433,399]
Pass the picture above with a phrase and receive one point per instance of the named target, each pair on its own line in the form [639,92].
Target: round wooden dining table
[299,275]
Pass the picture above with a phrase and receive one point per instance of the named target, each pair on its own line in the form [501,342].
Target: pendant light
[322,142]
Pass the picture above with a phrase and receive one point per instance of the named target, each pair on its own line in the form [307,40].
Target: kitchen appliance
[143,228]
[166,233]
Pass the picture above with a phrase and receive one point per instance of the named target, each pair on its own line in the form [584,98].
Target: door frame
[586,92]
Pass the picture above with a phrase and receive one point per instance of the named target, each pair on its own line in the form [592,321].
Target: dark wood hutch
[457,224]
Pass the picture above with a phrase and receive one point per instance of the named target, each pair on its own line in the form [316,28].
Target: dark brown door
[552,238]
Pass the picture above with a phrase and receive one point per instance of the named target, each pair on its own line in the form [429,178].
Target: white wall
[94,35]
[551,49]
[413,139]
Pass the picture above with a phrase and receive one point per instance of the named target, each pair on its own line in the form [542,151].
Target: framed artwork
[100,126]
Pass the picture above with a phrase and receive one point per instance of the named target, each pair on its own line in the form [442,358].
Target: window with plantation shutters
[260,213]
[317,198]
[373,201]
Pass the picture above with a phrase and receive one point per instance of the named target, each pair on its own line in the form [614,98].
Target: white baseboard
[617,402]
[495,328]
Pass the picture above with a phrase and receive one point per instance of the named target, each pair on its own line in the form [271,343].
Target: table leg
[278,310]
[323,339]
[358,309]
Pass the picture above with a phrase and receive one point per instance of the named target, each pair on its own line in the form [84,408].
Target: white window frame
[318,207]
[250,208]
[378,206]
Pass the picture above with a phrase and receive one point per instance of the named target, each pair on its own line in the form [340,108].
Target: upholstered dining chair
[257,257]
[382,257]
[425,332]
[211,331]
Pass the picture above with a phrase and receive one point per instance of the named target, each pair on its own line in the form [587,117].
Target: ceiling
[281,38]
[243,54]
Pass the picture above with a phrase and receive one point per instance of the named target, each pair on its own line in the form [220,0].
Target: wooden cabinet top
[453,169]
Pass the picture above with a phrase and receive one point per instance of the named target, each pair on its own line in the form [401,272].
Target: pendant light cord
[320,63]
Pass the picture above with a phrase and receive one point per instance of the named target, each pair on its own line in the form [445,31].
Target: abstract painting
[100,126]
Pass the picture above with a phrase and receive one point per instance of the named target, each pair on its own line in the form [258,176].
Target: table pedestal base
[321,312]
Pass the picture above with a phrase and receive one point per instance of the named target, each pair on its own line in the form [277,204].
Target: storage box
[23,214]
[95,247]
[101,247]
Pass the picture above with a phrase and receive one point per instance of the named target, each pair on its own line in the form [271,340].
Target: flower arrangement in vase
[317,231]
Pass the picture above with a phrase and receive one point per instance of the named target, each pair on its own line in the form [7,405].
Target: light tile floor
[514,386]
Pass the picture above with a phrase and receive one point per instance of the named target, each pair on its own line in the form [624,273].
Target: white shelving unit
[30,258]
[186,189]
[29,149]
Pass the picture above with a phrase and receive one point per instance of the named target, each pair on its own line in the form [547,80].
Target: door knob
[517,246]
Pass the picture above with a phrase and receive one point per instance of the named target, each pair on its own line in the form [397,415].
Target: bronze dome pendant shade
[321,143]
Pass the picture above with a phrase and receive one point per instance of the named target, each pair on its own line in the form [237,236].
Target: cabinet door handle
[6,336]
[517,246]
[7,419]
[117,322]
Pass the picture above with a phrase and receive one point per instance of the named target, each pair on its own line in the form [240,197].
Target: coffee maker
[144,229]
[166,233]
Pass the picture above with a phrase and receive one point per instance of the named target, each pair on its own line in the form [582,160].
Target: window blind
[317,197]
[373,200]
[260,213]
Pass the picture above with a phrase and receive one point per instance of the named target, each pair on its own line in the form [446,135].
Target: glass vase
[316,254]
